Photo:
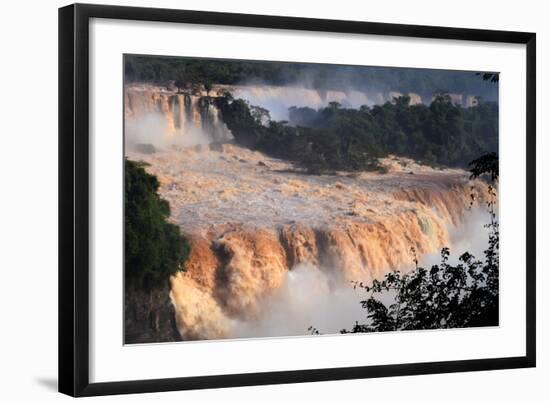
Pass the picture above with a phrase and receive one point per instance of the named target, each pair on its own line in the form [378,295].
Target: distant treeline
[335,138]
[425,82]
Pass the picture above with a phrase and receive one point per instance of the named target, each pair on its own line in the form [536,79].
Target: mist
[316,297]
[354,86]
[166,119]
[153,129]
[308,297]
[278,99]
[472,236]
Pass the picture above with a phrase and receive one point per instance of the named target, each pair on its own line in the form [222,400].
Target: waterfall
[262,236]
[195,111]
[161,117]
[178,110]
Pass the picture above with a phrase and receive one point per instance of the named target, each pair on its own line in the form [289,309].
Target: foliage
[318,150]
[441,133]
[486,164]
[489,76]
[465,294]
[337,138]
[154,248]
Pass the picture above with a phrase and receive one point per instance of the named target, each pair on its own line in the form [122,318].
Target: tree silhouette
[485,165]
[489,76]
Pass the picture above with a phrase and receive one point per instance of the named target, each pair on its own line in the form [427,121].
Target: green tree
[154,248]
[336,138]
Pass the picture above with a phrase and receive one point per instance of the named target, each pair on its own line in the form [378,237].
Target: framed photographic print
[249,199]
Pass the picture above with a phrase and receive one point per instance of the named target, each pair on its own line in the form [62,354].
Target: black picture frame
[74,198]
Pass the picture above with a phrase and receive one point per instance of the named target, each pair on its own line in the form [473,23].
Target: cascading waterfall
[195,111]
[179,112]
[257,231]
[260,233]
[211,121]
[180,118]
[235,272]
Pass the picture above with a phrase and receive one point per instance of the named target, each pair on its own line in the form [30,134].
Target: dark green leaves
[154,248]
